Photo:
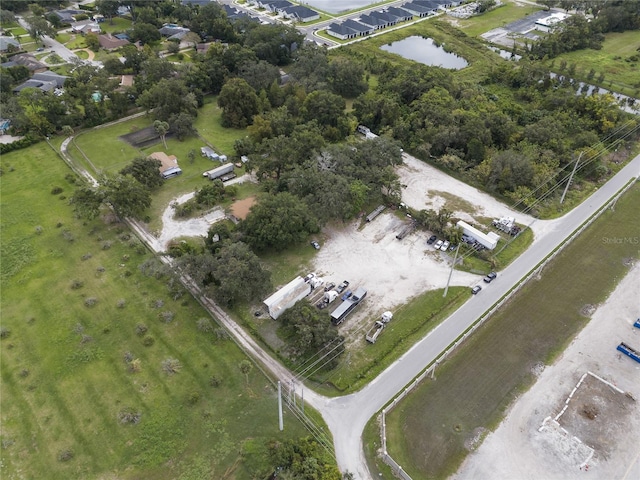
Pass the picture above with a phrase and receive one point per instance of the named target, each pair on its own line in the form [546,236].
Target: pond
[425,50]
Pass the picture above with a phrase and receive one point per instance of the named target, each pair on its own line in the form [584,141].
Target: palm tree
[161,129]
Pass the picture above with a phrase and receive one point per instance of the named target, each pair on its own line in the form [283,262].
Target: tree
[182,125]
[234,273]
[108,8]
[86,202]
[39,27]
[311,332]
[245,367]
[123,193]
[161,129]
[278,222]
[346,77]
[168,98]
[239,103]
[91,39]
[145,33]
[324,107]
[173,47]
[146,171]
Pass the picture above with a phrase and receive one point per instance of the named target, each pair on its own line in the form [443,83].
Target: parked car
[315,245]
[432,239]
[476,289]
[445,246]
[329,286]
[342,286]
[438,245]
[491,276]
[346,295]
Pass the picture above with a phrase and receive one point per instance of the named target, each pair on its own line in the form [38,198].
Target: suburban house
[341,31]
[169,167]
[68,15]
[109,42]
[126,81]
[8,42]
[401,13]
[274,6]
[373,21]
[85,26]
[26,60]
[171,29]
[418,10]
[300,14]
[45,81]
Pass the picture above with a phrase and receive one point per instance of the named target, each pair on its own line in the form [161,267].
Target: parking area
[519,29]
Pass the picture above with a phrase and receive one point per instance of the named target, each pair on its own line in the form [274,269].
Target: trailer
[406,231]
[628,351]
[637,323]
[218,172]
[379,209]
[374,332]
[347,306]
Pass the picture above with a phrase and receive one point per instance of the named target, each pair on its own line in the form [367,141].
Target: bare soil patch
[240,209]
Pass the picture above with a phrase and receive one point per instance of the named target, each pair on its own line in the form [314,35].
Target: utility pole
[280,421]
[570,178]
[446,289]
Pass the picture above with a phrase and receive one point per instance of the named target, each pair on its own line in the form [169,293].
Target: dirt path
[517,449]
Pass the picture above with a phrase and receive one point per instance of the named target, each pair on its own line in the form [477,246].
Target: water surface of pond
[424,50]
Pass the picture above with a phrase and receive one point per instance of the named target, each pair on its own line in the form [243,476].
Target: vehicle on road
[315,245]
[476,289]
[490,277]
[329,286]
[342,286]
[432,239]
[438,245]
[445,246]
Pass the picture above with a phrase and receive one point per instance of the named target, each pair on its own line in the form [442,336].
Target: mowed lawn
[614,60]
[427,431]
[509,12]
[84,337]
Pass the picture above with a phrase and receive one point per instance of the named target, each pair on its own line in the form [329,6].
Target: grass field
[507,13]
[614,60]
[209,127]
[427,431]
[75,357]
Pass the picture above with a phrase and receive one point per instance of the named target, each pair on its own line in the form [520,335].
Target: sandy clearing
[391,270]
[240,209]
[518,450]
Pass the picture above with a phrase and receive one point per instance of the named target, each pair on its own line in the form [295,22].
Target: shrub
[135,365]
[141,329]
[215,381]
[194,397]
[121,303]
[68,236]
[222,334]
[128,357]
[38,230]
[86,339]
[65,455]
[86,256]
[76,284]
[91,301]
[171,366]
[24,373]
[106,245]
[4,332]
[158,303]
[204,325]
[129,415]
[167,316]
[56,190]
[148,341]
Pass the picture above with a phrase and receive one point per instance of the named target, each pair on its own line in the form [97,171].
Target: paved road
[53,46]
[348,415]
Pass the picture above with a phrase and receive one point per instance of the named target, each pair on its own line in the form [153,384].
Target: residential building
[8,42]
[26,60]
[301,14]
[109,42]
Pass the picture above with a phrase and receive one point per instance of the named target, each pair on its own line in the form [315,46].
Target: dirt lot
[605,421]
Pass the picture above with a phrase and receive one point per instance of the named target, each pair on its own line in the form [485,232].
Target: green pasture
[84,337]
[427,431]
[508,12]
[618,60]
[209,127]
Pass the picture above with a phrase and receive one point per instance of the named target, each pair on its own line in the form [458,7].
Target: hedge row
[18,144]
